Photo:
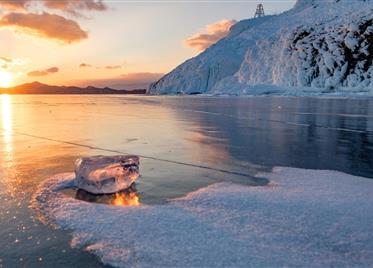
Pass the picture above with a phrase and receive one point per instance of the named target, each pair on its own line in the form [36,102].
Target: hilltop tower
[259,11]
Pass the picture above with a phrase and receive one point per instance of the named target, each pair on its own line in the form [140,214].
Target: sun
[6,79]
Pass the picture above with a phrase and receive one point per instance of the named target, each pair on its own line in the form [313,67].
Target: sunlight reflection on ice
[6,118]
[6,153]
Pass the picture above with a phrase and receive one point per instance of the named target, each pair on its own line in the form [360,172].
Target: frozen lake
[185,144]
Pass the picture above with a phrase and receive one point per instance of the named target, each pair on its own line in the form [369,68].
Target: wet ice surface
[41,136]
[106,174]
[302,218]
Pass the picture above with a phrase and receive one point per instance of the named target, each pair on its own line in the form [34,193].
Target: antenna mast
[259,11]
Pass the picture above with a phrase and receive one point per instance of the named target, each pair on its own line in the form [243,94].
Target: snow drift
[323,44]
[303,217]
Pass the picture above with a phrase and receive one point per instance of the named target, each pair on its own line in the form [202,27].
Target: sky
[116,43]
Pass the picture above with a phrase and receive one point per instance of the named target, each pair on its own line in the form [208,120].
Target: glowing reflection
[9,178]
[126,199]
[6,115]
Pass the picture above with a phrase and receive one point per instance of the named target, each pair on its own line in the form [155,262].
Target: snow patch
[303,217]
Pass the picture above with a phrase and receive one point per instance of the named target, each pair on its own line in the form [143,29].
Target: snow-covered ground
[302,217]
[323,45]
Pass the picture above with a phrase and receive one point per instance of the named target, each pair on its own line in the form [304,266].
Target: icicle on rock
[106,174]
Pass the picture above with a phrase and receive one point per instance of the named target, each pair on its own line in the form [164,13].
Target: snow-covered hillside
[324,45]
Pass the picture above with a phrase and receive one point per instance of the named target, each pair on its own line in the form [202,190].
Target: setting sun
[6,79]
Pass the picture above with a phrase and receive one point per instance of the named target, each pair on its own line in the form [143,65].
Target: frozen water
[244,134]
[106,174]
[312,218]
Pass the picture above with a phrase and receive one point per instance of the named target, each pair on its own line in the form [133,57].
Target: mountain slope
[324,44]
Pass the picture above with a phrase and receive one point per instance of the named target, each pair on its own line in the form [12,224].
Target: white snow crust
[320,44]
[307,218]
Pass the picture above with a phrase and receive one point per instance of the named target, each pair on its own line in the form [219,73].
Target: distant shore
[119,92]
[39,88]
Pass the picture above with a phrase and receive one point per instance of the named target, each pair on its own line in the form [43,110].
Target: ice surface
[106,174]
[319,44]
[309,218]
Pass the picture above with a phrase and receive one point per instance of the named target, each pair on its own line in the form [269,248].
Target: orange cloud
[14,4]
[73,6]
[76,4]
[8,62]
[111,67]
[44,72]
[83,65]
[70,6]
[6,59]
[45,25]
[215,32]
[5,62]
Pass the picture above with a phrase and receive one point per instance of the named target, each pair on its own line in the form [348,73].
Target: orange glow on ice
[126,199]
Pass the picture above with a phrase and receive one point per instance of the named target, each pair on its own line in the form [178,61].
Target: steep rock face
[321,56]
[323,44]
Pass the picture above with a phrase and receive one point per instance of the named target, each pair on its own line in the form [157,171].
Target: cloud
[45,25]
[215,32]
[126,81]
[44,72]
[70,6]
[6,59]
[75,6]
[52,70]
[5,62]
[111,67]
[14,4]
[83,65]
[8,62]
[48,25]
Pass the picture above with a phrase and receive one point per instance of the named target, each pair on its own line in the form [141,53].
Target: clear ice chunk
[106,174]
